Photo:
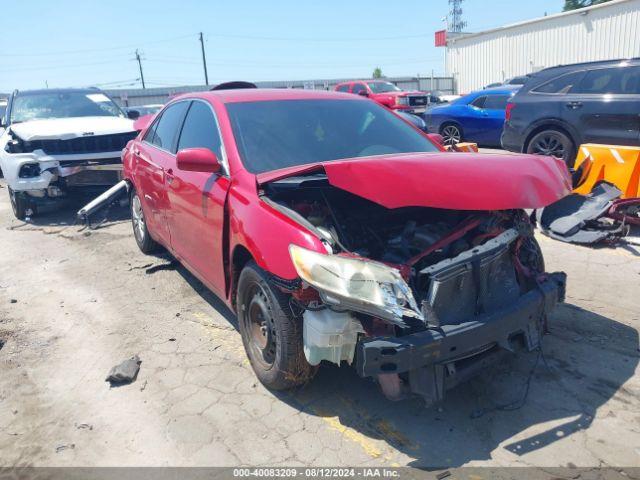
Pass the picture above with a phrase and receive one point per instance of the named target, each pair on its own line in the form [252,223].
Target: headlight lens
[402,100]
[377,288]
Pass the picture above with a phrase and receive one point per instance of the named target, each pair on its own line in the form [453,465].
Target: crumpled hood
[67,128]
[457,181]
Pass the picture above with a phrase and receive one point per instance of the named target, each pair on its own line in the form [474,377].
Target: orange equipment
[616,164]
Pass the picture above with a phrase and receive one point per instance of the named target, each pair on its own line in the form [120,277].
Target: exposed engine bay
[417,297]
[422,244]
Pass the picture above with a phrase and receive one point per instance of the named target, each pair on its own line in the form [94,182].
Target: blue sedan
[477,117]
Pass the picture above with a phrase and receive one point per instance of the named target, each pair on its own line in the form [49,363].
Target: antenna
[456,24]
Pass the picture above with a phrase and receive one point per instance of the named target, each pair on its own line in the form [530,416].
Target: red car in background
[336,231]
[387,94]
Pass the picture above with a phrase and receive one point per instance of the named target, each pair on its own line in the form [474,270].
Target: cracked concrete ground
[74,302]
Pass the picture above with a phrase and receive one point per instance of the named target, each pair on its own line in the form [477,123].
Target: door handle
[169,175]
[574,105]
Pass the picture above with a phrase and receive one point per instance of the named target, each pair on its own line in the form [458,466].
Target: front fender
[266,233]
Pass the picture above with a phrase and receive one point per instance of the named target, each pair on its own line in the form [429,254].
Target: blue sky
[80,42]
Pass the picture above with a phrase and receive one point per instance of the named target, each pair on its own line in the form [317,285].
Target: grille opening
[388,367]
[387,352]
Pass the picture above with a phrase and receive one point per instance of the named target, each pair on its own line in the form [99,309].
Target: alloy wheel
[549,144]
[451,135]
[137,216]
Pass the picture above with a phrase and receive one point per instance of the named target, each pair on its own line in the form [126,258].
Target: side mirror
[133,114]
[198,160]
[363,93]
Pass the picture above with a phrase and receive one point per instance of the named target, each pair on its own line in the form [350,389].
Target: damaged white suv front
[59,140]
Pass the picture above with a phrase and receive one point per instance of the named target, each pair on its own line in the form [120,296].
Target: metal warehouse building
[600,32]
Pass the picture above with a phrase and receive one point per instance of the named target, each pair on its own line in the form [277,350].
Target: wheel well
[241,256]
[547,126]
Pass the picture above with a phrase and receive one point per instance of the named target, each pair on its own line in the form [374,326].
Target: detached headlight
[360,285]
[402,100]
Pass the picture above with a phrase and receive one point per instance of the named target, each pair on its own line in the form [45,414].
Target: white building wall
[606,31]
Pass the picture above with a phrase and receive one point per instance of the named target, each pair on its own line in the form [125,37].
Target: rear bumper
[436,362]
[511,139]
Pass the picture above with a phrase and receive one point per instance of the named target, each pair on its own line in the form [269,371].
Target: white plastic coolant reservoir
[330,335]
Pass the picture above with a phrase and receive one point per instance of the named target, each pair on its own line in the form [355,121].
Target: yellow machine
[619,165]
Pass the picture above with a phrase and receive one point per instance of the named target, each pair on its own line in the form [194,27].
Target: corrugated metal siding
[608,31]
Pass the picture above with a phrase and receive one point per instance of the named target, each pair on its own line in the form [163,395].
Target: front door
[197,199]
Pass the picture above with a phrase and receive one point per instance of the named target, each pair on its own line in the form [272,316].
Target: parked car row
[552,113]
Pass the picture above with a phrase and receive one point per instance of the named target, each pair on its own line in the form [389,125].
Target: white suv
[58,140]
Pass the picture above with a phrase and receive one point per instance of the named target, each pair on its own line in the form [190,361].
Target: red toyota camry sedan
[338,232]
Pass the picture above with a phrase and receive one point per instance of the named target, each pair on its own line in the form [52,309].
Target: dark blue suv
[560,108]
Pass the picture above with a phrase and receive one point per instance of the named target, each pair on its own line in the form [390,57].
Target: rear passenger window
[496,102]
[561,84]
[166,128]
[200,130]
[479,102]
[343,88]
[358,87]
[619,80]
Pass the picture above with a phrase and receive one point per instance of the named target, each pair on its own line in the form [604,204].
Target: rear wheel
[553,143]
[140,231]
[451,134]
[271,334]
[20,204]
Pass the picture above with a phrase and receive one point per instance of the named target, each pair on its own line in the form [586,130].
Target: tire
[19,204]
[271,334]
[146,243]
[451,133]
[554,143]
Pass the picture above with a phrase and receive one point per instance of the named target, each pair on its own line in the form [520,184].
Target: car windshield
[383,87]
[277,134]
[40,106]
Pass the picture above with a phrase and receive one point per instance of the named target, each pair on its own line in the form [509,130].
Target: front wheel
[553,143]
[271,334]
[20,205]
[146,244]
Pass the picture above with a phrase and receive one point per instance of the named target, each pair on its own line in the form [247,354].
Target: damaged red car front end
[339,233]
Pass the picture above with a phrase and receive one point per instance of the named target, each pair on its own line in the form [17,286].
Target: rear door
[493,118]
[197,199]
[605,106]
[153,157]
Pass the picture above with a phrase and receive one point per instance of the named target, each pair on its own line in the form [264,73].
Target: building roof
[579,11]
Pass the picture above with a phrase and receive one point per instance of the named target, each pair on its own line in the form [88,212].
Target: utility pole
[204,61]
[140,65]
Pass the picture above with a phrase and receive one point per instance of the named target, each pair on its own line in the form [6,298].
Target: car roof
[501,90]
[599,63]
[269,94]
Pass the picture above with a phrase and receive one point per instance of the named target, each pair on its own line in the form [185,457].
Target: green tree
[575,4]
[377,73]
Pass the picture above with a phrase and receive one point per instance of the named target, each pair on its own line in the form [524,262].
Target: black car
[560,108]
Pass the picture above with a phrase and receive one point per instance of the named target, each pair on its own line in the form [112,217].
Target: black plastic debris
[583,219]
[124,373]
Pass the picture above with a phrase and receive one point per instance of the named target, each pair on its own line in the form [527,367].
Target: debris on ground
[13,300]
[584,219]
[124,373]
[68,446]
